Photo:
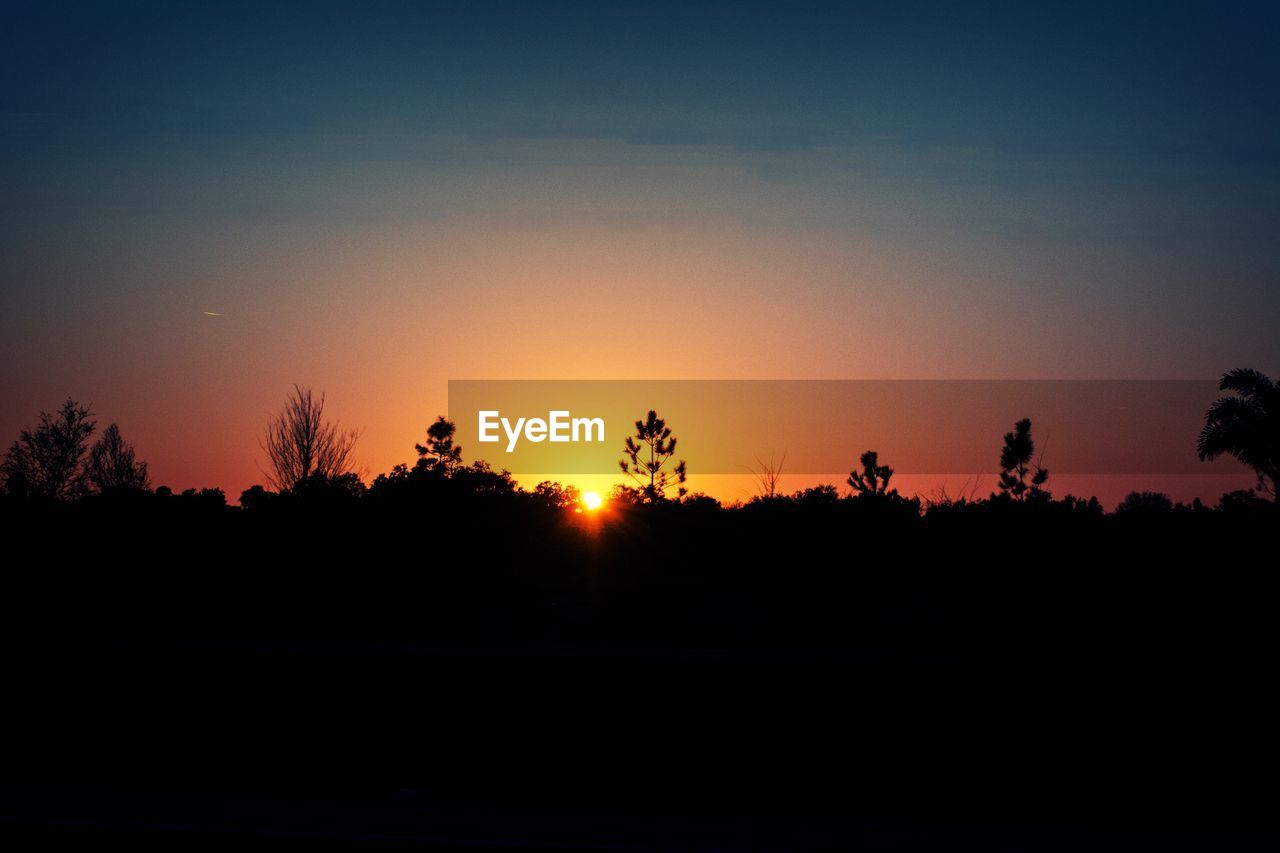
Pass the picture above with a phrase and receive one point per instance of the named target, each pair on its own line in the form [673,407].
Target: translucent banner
[822,426]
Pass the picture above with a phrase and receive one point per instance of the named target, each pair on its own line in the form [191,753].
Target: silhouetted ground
[493,674]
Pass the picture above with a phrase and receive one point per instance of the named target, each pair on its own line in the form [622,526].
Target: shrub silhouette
[1145,503]
[258,499]
[556,495]
[623,496]
[1246,426]
[1243,502]
[330,490]
[824,495]
[200,501]
[701,502]
[479,478]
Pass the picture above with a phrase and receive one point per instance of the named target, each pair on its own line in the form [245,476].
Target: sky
[380,197]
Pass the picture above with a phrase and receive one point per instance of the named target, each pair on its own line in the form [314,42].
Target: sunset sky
[380,197]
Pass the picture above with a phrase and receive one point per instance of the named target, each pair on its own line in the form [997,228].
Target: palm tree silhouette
[1246,426]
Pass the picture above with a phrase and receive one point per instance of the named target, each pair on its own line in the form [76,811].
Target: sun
[592,501]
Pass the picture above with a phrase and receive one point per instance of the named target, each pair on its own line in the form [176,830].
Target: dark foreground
[466,678]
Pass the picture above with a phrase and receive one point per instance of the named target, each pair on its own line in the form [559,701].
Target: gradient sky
[380,197]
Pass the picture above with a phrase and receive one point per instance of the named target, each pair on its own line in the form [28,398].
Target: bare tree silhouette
[873,479]
[300,443]
[1015,464]
[645,455]
[767,475]
[49,461]
[1246,426]
[113,465]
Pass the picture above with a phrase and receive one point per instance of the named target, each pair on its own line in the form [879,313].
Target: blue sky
[381,197]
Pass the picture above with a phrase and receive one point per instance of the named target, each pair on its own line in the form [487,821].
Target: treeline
[310,467]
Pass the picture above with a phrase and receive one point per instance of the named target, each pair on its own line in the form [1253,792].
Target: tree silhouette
[300,443]
[768,475]
[825,495]
[320,490]
[645,455]
[439,453]
[556,495]
[255,499]
[1145,504]
[1015,464]
[49,461]
[479,478]
[113,466]
[1246,426]
[873,479]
